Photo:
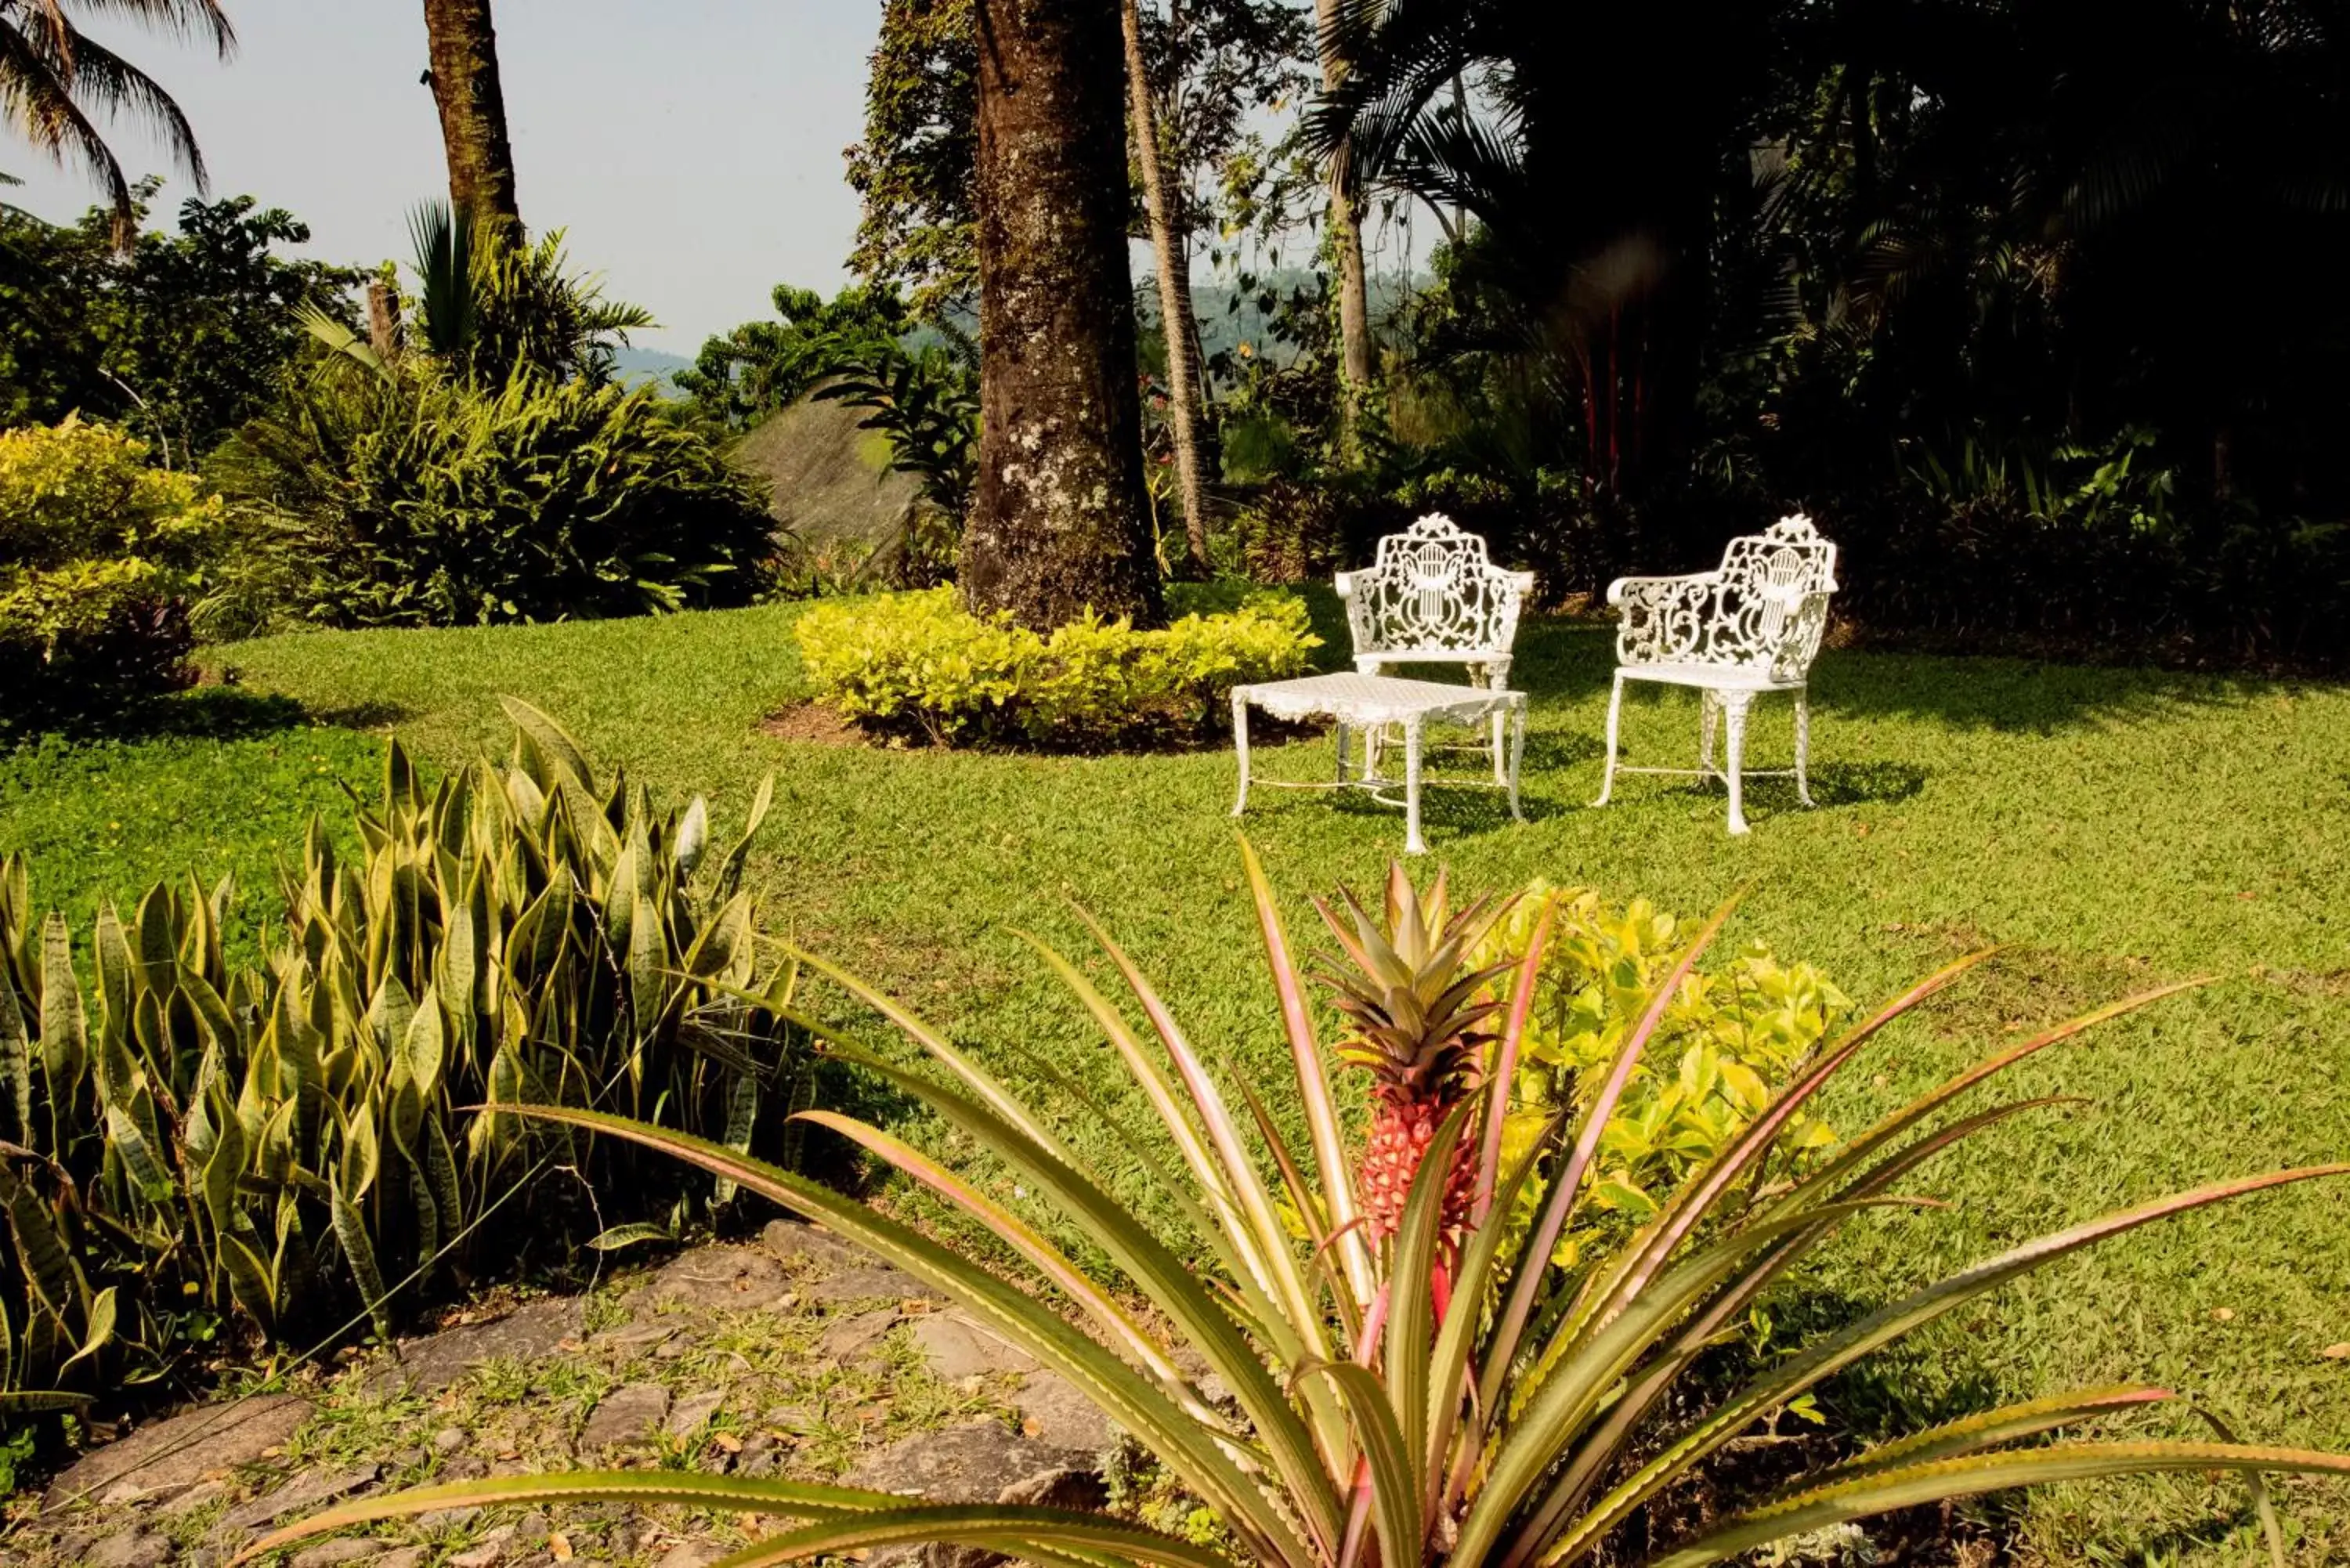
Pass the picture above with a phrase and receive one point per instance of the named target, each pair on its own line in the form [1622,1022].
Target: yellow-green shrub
[1730,1039]
[919,663]
[98,554]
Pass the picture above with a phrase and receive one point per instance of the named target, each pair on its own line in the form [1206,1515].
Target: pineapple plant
[1371,1419]
[1416,1005]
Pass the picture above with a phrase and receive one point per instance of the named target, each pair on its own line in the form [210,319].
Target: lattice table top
[1361,700]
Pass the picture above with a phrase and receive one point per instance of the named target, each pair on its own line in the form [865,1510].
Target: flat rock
[336,1553]
[489,1551]
[733,1279]
[790,1240]
[1061,1487]
[1053,1412]
[867,1284]
[177,1453]
[958,1346]
[204,1494]
[854,1335]
[632,1338]
[692,1413]
[527,1334]
[401,1557]
[135,1548]
[691,1554]
[300,1494]
[970,1463]
[629,1414]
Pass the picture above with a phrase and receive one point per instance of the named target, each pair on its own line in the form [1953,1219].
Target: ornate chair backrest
[1433,590]
[1770,600]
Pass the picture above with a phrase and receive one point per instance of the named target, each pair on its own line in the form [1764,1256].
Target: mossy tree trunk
[464,78]
[1059,523]
[1174,263]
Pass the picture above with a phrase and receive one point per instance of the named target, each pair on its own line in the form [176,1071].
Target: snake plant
[1439,1394]
[193,1144]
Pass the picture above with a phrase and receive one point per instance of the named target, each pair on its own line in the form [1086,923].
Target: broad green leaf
[620,1236]
[1883,1492]
[1988,1429]
[1395,1485]
[359,1252]
[692,836]
[100,1331]
[65,1026]
[33,1402]
[1834,1352]
[1194,1453]
[1321,1107]
[16,1058]
[551,741]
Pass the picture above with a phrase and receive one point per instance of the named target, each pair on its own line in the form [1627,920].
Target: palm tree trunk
[1059,523]
[1347,236]
[1182,328]
[464,77]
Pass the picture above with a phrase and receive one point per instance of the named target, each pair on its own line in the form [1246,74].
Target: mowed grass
[2109,828]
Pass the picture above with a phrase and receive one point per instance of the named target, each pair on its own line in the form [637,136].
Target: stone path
[795,1357]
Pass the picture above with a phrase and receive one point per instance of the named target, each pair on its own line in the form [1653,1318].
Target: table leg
[1239,745]
[1411,734]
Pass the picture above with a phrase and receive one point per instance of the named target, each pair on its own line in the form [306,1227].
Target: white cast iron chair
[1753,625]
[1432,596]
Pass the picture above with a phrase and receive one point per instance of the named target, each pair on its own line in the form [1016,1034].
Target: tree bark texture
[1174,262]
[464,54]
[1346,238]
[1059,523]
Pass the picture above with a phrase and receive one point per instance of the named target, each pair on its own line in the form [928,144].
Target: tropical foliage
[761,365]
[1730,1036]
[193,1151]
[1437,1392]
[493,306]
[100,554]
[918,665]
[400,496]
[177,338]
[926,403]
[53,75]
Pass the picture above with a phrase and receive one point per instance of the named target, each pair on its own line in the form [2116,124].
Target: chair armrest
[1346,581]
[1623,588]
[1664,617]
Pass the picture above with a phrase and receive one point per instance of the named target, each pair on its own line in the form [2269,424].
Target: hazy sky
[691,148]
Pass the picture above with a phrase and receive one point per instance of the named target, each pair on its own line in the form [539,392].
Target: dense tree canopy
[179,338]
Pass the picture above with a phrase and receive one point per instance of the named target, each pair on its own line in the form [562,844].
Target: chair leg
[1411,842]
[1342,750]
[1240,746]
[1709,715]
[1615,724]
[1495,677]
[1804,744]
[1517,756]
[1734,703]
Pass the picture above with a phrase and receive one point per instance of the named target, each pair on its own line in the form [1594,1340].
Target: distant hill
[638,366]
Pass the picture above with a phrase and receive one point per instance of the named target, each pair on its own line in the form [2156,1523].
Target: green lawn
[2110,828]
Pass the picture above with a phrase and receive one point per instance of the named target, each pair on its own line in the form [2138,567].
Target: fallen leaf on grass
[558,1546]
[2337,1352]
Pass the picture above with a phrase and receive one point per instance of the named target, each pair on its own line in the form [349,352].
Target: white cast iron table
[1365,703]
